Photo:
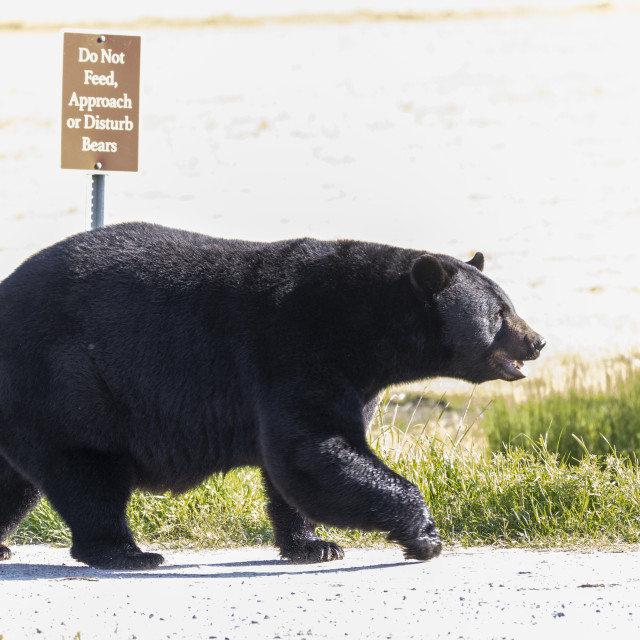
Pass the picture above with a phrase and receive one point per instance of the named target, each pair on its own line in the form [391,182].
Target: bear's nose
[538,344]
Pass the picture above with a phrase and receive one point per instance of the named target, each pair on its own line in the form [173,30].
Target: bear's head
[481,334]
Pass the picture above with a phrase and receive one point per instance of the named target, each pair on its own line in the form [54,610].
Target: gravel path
[466,593]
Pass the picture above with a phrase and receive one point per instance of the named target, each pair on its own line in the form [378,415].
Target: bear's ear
[428,275]
[477,261]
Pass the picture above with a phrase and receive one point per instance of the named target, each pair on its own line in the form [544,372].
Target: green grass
[572,422]
[531,497]
[567,475]
[223,511]
[513,496]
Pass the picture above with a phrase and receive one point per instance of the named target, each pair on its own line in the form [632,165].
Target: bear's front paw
[5,552]
[424,546]
[311,550]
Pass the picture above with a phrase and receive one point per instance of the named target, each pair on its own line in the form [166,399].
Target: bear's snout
[536,344]
[515,344]
[521,340]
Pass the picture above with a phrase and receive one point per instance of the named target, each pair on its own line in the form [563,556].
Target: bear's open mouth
[511,369]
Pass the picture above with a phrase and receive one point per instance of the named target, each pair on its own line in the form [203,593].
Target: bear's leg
[295,535]
[90,490]
[316,454]
[17,498]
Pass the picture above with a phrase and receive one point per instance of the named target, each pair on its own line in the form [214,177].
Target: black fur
[138,356]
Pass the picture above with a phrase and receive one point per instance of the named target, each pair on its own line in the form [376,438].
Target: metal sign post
[100,108]
[97,200]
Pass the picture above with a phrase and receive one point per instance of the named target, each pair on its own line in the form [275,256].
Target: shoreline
[262,19]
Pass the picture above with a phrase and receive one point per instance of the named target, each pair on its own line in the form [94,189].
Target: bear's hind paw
[121,557]
[5,552]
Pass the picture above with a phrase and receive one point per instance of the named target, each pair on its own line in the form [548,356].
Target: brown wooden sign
[100,101]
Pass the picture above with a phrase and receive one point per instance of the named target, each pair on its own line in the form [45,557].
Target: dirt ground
[249,593]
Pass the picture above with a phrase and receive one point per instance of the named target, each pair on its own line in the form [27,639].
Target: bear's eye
[500,313]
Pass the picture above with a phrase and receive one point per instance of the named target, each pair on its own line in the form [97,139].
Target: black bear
[137,356]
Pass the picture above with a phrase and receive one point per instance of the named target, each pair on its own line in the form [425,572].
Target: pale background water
[514,133]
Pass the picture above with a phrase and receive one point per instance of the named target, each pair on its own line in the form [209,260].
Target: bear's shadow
[18,571]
